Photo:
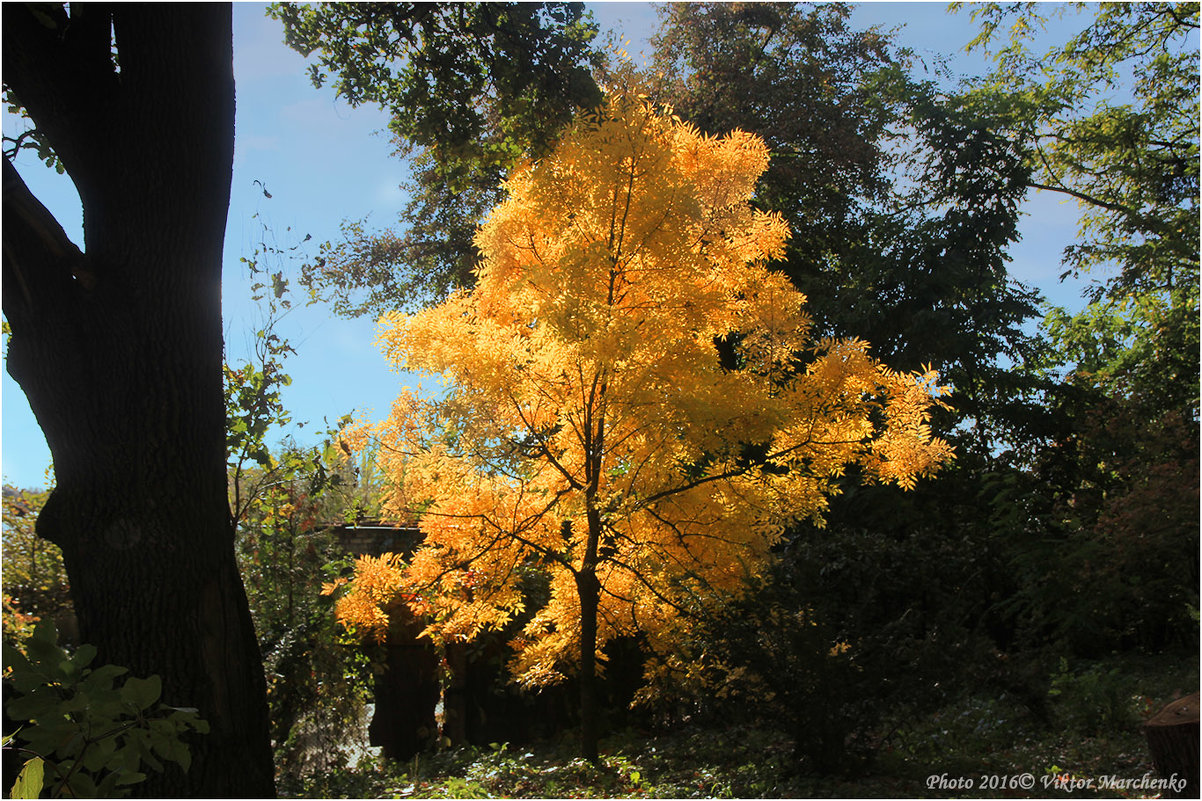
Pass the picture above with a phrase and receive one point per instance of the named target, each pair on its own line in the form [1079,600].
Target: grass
[978,747]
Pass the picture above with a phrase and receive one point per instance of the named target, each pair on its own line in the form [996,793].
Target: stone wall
[373,539]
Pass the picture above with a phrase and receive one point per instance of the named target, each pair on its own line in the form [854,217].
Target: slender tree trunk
[119,349]
[587,585]
[589,590]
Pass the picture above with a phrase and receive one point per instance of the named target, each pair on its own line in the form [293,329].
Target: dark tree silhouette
[118,347]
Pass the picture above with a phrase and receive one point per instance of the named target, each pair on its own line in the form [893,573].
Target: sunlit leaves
[589,428]
[35,580]
[377,585]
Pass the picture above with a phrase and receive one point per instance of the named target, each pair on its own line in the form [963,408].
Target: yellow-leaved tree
[632,402]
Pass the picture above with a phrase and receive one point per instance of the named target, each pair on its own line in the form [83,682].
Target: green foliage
[1110,118]
[93,737]
[1115,114]
[1142,348]
[368,272]
[472,88]
[1094,700]
[253,390]
[254,402]
[938,259]
[1113,564]
[1103,552]
[449,73]
[806,82]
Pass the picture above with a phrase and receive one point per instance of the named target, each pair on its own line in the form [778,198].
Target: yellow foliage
[588,427]
[354,438]
[376,588]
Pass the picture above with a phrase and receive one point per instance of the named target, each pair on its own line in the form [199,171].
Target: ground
[977,747]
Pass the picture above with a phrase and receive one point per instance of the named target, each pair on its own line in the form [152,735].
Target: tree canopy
[1110,118]
[592,428]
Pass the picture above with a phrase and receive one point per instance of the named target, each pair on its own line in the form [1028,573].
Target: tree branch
[1084,198]
[41,263]
[1185,22]
[61,71]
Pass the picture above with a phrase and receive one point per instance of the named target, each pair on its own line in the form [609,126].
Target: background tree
[1114,117]
[906,198]
[593,429]
[897,196]
[35,581]
[283,501]
[471,88]
[1110,118]
[118,348]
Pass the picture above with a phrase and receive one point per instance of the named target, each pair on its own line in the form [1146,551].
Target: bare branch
[41,263]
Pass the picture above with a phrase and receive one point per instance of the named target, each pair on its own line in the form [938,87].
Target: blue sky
[324,162]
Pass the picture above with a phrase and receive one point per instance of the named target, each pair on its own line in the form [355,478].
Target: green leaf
[14,658]
[183,756]
[96,756]
[82,785]
[84,655]
[43,646]
[129,777]
[29,780]
[108,786]
[102,677]
[142,693]
[33,705]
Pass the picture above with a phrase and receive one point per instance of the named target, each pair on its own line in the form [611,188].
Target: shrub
[90,737]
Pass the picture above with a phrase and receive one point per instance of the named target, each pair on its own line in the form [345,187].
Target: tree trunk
[589,589]
[119,351]
[406,694]
[1172,736]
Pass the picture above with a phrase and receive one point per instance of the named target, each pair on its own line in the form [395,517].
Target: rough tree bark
[1172,735]
[118,348]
